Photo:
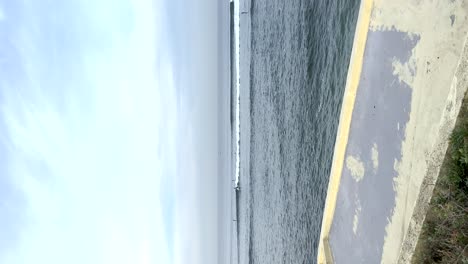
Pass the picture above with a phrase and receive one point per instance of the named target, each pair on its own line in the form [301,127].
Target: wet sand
[401,101]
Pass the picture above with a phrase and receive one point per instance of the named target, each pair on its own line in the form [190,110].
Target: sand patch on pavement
[375,157]
[357,213]
[356,167]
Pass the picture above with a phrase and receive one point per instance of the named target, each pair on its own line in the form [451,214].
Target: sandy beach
[405,84]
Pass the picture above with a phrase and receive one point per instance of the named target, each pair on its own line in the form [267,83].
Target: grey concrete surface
[380,114]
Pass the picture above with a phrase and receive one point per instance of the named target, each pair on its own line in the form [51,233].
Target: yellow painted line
[352,83]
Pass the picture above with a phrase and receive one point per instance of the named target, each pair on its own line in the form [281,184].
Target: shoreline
[324,254]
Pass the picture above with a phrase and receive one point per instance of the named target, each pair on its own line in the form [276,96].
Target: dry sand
[352,82]
[356,167]
[375,157]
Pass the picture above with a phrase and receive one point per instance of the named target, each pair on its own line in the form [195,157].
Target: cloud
[88,113]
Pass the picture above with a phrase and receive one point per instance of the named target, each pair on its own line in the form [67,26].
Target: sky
[109,131]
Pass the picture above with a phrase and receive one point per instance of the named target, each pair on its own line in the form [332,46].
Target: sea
[293,61]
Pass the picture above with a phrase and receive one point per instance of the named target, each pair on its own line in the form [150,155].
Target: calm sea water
[294,56]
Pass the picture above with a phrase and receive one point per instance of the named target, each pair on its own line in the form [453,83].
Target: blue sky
[108,131]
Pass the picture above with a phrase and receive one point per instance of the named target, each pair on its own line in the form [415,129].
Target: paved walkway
[401,95]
